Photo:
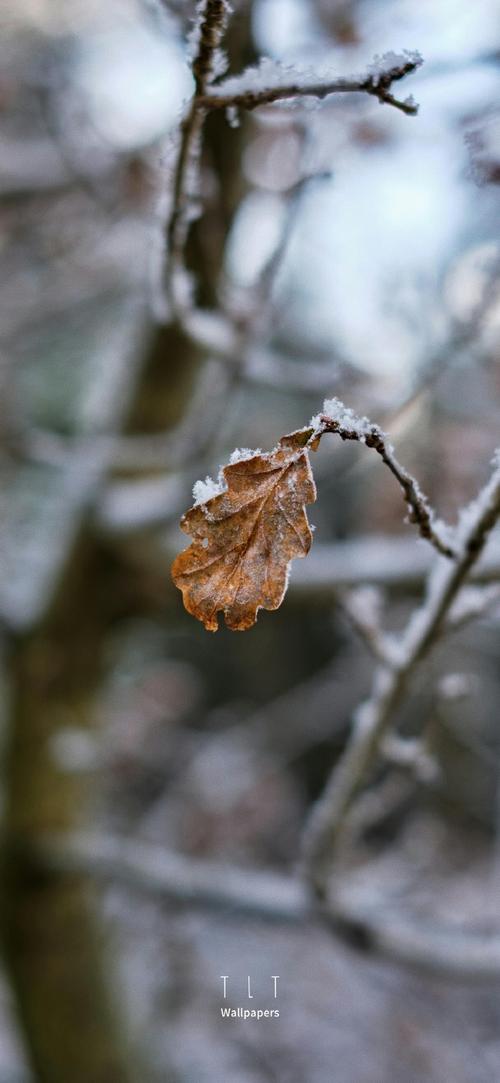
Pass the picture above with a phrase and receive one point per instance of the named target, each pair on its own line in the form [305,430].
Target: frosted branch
[374,717]
[362,608]
[206,39]
[411,753]
[267,83]
[271,82]
[341,420]
[253,894]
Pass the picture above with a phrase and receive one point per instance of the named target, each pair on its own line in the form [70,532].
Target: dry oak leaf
[246,536]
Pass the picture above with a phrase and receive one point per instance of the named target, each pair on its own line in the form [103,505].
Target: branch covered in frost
[474,602]
[251,893]
[268,82]
[272,82]
[337,418]
[206,39]
[374,717]
[362,608]
[212,16]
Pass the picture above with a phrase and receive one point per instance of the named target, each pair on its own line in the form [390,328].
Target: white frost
[471,514]
[218,59]
[269,75]
[346,418]
[382,65]
[240,453]
[273,75]
[473,602]
[205,490]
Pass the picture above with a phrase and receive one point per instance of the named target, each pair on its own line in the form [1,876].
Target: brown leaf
[245,537]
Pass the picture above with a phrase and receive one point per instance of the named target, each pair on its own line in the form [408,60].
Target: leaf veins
[245,537]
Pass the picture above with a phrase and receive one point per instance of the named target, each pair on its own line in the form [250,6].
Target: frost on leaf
[245,536]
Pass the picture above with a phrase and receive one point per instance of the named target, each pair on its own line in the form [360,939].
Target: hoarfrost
[346,418]
[273,75]
[470,520]
[269,75]
[444,530]
[473,602]
[387,62]
[240,453]
[219,62]
[205,490]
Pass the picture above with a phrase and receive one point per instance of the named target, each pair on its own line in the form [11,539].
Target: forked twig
[341,420]
[253,87]
[270,83]
[374,717]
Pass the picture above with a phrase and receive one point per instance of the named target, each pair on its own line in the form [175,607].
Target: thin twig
[473,603]
[209,32]
[463,336]
[395,563]
[228,95]
[361,609]
[343,421]
[208,97]
[374,717]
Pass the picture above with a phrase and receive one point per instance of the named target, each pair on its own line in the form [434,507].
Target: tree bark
[52,942]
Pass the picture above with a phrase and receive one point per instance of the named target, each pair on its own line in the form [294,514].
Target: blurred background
[357,249]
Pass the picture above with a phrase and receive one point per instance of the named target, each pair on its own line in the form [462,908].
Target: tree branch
[252,894]
[271,82]
[207,37]
[473,602]
[338,419]
[361,608]
[246,91]
[374,717]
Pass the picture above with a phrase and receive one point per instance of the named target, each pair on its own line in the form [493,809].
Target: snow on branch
[266,83]
[205,41]
[339,419]
[265,896]
[362,607]
[374,717]
[269,81]
[271,488]
[206,38]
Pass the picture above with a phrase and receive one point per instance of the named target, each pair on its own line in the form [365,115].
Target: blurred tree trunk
[52,942]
